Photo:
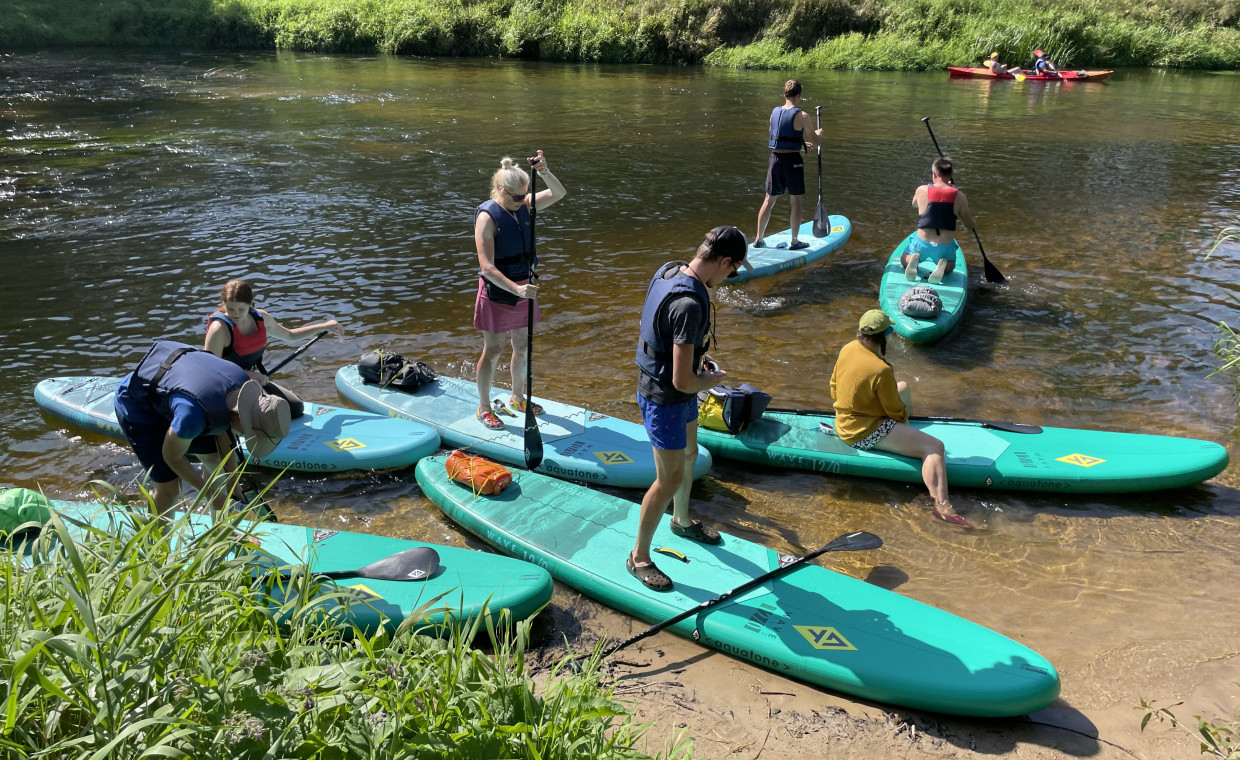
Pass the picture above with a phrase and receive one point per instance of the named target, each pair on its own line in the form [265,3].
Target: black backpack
[391,370]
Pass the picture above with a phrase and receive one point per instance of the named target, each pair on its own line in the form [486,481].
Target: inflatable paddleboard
[578,444]
[324,439]
[953,290]
[812,624]
[983,454]
[472,583]
[772,259]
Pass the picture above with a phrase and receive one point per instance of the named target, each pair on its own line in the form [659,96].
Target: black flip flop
[651,576]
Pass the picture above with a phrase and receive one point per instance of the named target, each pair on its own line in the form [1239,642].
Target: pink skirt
[500,318]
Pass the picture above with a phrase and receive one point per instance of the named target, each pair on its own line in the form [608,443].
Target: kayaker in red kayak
[992,63]
[1042,66]
[938,204]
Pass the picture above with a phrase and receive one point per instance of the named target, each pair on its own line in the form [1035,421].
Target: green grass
[848,34]
[137,645]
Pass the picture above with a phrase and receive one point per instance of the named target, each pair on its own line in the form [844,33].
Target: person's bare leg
[669,476]
[520,365]
[794,219]
[492,344]
[680,502]
[764,216]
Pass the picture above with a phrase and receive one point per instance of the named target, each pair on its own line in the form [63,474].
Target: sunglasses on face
[519,197]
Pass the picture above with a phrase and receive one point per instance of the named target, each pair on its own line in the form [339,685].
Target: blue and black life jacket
[654,355]
[171,367]
[246,351]
[512,240]
[783,135]
[940,213]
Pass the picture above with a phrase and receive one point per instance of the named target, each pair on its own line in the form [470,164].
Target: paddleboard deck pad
[812,624]
[471,583]
[578,444]
[983,455]
[953,290]
[324,439]
[772,259]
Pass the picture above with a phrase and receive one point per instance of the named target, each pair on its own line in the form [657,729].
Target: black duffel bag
[391,370]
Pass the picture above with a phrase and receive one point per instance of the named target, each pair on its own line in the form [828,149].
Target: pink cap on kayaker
[1038,53]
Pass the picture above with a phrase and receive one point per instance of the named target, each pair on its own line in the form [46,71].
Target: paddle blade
[415,564]
[1020,77]
[992,272]
[533,441]
[822,221]
[854,542]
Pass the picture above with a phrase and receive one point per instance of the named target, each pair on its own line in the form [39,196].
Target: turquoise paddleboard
[812,624]
[578,444]
[772,259]
[324,439]
[983,454]
[472,583]
[953,290]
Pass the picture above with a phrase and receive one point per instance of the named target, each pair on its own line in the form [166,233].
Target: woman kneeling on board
[506,264]
[238,332]
[872,409]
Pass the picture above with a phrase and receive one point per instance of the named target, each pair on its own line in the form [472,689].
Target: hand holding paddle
[851,542]
[416,564]
[991,271]
[533,437]
[296,353]
[822,220]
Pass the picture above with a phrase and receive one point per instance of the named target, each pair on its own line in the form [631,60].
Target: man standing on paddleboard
[786,168]
[180,400]
[938,204]
[872,409]
[676,333]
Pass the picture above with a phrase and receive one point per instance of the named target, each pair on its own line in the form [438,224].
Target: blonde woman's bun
[506,163]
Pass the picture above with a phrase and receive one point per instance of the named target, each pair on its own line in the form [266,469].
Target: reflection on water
[345,187]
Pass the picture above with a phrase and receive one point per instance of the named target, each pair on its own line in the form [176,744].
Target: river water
[133,186]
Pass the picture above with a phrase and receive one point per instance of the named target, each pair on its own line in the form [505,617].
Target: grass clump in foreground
[156,642]
[791,34]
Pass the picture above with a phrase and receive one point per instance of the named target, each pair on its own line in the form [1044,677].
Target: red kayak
[1063,76]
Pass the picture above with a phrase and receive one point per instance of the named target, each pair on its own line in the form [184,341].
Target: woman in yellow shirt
[871,409]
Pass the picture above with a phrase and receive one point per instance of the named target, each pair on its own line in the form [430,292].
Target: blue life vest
[654,356]
[171,367]
[246,351]
[512,240]
[783,136]
[1039,66]
[940,213]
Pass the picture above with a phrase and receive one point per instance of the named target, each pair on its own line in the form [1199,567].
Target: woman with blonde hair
[238,332]
[502,235]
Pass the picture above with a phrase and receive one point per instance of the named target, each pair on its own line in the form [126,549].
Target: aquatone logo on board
[551,468]
[748,654]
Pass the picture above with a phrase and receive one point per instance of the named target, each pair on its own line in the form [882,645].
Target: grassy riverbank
[786,34]
[135,645]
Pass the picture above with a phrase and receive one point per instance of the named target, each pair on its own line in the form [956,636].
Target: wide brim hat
[264,417]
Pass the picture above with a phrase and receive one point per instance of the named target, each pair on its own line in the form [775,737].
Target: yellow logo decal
[365,593]
[823,637]
[613,457]
[346,444]
[1081,460]
[837,229]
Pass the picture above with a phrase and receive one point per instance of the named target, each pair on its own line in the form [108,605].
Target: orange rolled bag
[481,475]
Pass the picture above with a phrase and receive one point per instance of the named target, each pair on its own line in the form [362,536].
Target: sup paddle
[822,220]
[533,437]
[851,542]
[1011,427]
[416,564]
[296,353]
[991,271]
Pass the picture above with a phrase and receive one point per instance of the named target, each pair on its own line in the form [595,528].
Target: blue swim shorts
[666,423]
[932,252]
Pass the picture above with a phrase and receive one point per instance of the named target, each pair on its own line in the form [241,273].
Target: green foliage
[147,640]
[1216,739]
[859,34]
[1227,345]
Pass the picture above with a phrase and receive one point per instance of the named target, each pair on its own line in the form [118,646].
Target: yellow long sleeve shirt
[864,388]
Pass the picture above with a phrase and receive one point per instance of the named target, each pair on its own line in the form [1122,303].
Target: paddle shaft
[818,125]
[870,541]
[821,227]
[990,270]
[533,437]
[1012,427]
[295,354]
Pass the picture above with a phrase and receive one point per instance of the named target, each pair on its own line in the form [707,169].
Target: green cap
[875,322]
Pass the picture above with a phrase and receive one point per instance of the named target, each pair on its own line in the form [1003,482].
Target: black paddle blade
[415,564]
[854,542]
[533,441]
[822,221]
[991,271]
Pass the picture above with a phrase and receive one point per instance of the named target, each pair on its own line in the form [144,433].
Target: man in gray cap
[676,333]
[181,400]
